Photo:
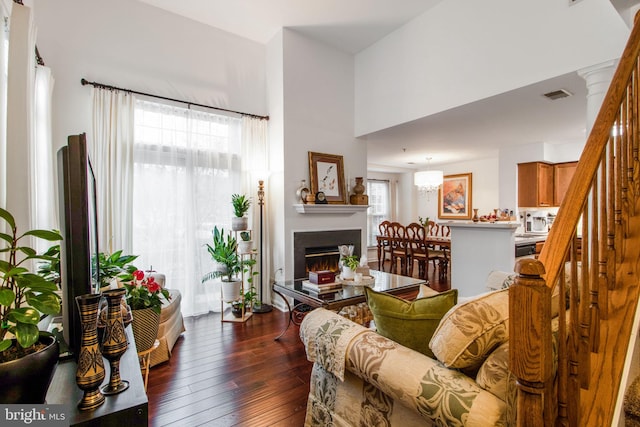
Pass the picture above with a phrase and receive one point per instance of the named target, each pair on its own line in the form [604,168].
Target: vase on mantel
[475,215]
[358,197]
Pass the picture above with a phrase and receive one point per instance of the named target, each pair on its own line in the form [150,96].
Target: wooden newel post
[530,347]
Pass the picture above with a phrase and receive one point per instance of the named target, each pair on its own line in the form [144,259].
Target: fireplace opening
[322,258]
[318,242]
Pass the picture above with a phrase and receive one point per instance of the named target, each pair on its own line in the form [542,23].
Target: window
[379,192]
[186,166]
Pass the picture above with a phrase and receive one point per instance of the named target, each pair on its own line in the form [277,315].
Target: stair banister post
[530,347]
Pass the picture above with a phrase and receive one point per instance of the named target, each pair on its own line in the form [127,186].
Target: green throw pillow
[410,323]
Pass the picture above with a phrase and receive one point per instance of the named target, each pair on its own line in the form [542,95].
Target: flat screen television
[79,227]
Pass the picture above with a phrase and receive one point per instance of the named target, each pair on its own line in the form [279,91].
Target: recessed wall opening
[318,250]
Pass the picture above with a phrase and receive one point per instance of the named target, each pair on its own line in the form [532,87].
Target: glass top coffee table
[306,300]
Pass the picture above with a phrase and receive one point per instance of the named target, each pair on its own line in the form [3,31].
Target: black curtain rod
[108,87]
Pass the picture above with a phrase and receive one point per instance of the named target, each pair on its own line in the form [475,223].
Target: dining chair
[418,251]
[432,228]
[399,248]
[439,254]
[384,243]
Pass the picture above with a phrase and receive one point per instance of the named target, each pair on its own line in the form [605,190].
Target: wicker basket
[145,325]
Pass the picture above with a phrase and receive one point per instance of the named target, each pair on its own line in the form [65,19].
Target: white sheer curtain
[43,197]
[111,152]
[256,155]
[187,165]
[20,101]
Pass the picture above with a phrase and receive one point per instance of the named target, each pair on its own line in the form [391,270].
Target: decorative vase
[27,379]
[114,342]
[145,326]
[90,371]
[359,188]
[239,223]
[359,198]
[475,215]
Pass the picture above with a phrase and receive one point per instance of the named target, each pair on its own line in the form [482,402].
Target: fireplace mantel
[329,209]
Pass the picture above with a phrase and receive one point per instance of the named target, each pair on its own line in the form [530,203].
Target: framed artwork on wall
[454,197]
[327,176]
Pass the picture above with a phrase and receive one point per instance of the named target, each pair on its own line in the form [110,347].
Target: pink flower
[138,274]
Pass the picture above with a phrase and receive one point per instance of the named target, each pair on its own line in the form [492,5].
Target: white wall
[136,46]
[463,51]
[318,116]
[484,186]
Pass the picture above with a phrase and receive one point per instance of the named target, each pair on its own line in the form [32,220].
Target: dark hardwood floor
[227,374]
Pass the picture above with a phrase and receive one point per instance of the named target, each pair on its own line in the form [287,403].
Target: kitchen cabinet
[543,184]
[562,175]
[535,184]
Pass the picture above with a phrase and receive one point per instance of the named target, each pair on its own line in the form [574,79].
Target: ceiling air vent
[558,94]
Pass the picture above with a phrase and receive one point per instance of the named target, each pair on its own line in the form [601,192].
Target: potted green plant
[27,355]
[245,245]
[114,266]
[250,297]
[241,205]
[349,265]
[110,267]
[224,253]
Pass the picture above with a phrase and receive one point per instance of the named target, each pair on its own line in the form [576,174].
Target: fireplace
[318,250]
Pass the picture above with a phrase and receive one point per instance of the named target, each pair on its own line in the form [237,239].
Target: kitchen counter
[530,238]
[476,250]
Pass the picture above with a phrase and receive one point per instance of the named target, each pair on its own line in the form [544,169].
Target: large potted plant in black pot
[28,356]
[229,264]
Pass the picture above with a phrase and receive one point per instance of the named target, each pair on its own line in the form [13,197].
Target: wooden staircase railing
[586,279]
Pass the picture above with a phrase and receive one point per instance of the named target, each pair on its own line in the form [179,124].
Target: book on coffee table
[323,288]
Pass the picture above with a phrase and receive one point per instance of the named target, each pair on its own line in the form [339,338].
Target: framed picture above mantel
[454,197]
[327,177]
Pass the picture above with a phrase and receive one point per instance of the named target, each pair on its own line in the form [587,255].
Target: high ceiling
[468,132]
[350,25]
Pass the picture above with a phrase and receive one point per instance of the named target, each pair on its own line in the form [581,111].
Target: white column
[598,78]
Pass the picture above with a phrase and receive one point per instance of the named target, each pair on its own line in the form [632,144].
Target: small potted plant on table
[349,265]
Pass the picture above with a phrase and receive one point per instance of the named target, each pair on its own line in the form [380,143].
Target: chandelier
[429,180]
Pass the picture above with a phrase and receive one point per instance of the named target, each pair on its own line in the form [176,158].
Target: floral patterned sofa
[362,378]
